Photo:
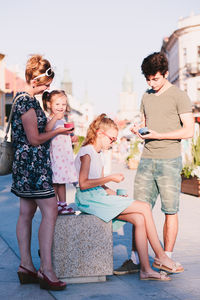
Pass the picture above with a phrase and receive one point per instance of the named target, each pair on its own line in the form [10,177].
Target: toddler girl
[94,197]
[61,152]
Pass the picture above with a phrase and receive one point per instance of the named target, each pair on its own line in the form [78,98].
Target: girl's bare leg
[49,212]
[55,186]
[61,192]
[24,230]
[140,237]
[144,209]
[146,272]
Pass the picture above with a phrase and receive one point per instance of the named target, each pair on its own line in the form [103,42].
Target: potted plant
[79,143]
[133,158]
[191,171]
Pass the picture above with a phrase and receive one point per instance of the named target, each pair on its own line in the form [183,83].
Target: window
[184,56]
[198,95]
[198,52]
[7,85]
[198,91]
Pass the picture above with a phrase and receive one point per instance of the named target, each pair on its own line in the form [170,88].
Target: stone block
[82,248]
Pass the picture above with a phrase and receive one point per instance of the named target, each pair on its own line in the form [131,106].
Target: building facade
[183,51]
[82,113]
[128,100]
[2,90]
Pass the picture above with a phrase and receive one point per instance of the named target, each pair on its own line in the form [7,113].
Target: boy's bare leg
[170,231]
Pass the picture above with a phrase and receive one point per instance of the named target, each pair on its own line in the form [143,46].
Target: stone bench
[82,248]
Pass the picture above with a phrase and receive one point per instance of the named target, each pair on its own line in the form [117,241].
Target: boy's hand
[136,127]
[151,135]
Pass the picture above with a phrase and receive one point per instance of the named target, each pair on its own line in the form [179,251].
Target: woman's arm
[29,121]
[86,183]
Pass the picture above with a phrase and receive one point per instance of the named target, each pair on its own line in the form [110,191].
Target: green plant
[191,166]
[134,150]
[187,171]
[196,151]
[78,145]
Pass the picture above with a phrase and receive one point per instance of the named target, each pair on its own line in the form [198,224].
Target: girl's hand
[59,116]
[117,177]
[110,192]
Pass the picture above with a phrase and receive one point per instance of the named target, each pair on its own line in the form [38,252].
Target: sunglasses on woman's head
[112,139]
[47,73]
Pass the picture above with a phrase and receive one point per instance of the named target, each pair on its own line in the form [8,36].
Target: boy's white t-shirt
[96,164]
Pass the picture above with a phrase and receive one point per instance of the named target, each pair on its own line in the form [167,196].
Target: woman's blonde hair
[47,97]
[101,122]
[35,66]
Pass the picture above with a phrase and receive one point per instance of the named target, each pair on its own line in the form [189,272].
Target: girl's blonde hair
[35,66]
[48,97]
[101,122]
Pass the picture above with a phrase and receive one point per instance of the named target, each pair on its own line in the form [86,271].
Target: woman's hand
[63,130]
[117,177]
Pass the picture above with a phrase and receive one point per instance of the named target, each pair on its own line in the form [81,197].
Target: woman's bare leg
[24,230]
[49,212]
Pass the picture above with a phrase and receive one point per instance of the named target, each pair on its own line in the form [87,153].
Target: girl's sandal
[176,267]
[64,209]
[27,276]
[162,276]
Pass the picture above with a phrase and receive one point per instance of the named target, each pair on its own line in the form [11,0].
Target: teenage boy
[167,112]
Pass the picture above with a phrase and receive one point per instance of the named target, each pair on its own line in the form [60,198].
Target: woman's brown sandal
[27,276]
[47,284]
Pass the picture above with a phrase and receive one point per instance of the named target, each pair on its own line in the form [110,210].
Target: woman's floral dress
[32,174]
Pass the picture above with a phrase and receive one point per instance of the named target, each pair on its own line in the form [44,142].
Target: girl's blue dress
[96,201]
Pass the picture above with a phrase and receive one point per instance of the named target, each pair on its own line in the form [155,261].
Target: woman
[32,175]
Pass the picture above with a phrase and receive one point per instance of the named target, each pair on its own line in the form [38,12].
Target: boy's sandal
[176,267]
[161,276]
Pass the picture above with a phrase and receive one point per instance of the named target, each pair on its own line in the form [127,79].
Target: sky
[98,41]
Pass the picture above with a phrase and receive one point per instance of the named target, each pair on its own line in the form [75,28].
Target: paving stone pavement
[185,286]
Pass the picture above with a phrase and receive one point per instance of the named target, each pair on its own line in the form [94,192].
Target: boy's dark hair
[155,62]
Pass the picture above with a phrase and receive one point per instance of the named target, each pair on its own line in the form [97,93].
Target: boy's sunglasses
[48,73]
[112,139]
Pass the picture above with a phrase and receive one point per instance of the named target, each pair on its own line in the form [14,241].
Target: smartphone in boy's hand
[143,131]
